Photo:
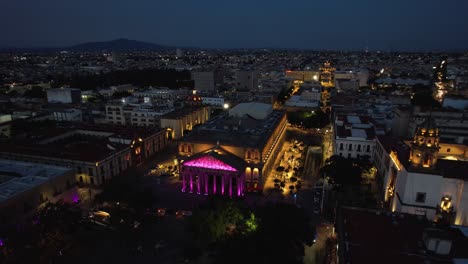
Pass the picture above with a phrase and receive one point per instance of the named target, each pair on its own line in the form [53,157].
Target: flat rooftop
[78,142]
[182,112]
[354,127]
[237,131]
[17,177]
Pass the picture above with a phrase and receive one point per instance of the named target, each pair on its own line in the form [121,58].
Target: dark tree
[282,232]
[214,220]
[342,171]
[35,92]
[123,94]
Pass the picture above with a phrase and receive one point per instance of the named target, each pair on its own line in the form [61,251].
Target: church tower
[425,145]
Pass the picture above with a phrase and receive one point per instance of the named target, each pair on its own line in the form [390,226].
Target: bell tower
[425,145]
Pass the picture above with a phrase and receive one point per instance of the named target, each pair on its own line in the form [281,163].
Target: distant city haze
[407,25]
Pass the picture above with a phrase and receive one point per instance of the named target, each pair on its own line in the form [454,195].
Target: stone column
[238,185]
[230,186]
[206,183]
[214,183]
[183,181]
[198,183]
[191,182]
[242,184]
[222,183]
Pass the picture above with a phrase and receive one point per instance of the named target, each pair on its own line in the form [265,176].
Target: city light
[226,106]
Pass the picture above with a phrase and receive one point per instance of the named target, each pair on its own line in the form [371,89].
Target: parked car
[161,211]
[187,213]
[181,213]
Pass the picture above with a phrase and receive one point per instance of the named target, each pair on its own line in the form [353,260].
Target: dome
[428,128]
[193,100]
[425,146]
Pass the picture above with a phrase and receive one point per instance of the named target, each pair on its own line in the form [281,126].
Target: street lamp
[226,106]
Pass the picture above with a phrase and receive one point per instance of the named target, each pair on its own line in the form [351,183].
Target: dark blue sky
[332,24]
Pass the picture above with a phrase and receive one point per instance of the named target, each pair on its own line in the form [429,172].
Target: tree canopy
[282,231]
[342,171]
[309,119]
[211,222]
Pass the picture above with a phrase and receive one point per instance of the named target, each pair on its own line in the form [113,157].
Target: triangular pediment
[208,162]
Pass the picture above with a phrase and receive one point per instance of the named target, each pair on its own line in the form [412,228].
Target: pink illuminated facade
[209,175]
[209,162]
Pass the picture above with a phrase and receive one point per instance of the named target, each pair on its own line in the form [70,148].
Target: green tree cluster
[309,119]
[279,237]
[422,96]
[215,220]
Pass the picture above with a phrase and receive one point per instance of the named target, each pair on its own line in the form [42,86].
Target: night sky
[310,24]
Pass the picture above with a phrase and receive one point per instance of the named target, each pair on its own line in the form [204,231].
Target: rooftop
[78,142]
[17,177]
[371,236]
[180,113]
[354,126]
[237,131]
[454,169]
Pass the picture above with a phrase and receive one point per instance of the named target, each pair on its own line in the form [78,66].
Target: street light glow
[226,106]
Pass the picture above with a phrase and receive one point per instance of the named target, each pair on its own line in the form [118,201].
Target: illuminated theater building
[231,154]
[424,176]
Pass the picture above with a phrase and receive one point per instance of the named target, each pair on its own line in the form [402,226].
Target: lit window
[446,203]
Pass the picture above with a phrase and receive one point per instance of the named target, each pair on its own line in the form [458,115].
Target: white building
[451,123]
[351,79]
[425,177]
[354,136]
[455,102]
[71,115]
[135,114]
[217,102]
[64,95]
[253,109]
[161,93]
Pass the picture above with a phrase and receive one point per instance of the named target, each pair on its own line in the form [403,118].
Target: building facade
[207,80]
[183,120]
[248,147]
[247,80]
[25,186]
[64,95]
[214,172]
[354,136]
[145,115]
[424,176]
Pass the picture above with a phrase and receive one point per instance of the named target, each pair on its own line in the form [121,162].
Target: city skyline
[305,25]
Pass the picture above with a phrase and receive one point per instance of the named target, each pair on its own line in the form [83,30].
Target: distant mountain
[118,45]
